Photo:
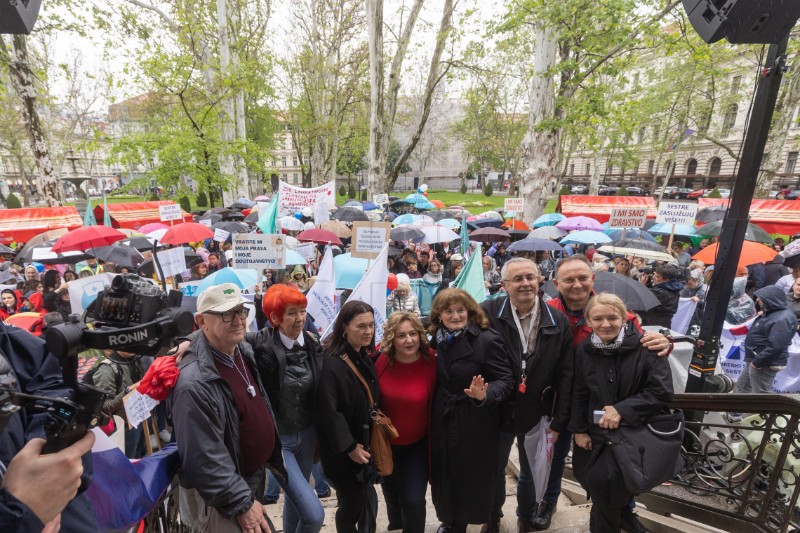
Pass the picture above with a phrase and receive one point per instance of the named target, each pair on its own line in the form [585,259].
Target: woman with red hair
[289,363]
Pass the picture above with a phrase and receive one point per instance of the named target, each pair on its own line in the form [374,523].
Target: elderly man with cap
[224,425]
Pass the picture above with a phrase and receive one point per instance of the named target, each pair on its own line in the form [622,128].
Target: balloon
[391,283]
[308,225]
[388,292]
[419,189]
[423,187]
[403,278]
[307,212]
[425,194]
[298,215]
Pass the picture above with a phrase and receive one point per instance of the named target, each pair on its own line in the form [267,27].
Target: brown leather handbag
[382,429]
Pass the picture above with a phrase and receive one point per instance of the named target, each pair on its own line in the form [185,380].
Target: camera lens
[119,283]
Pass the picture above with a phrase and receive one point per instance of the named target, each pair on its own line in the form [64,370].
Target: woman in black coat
[473,380]
[343,415]
[615,374]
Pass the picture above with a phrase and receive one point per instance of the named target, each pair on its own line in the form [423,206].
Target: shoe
[326,494]
[268,501]
[492,527]
[451,528]
[154,442]
[543,516]
[525,526]
[165,436]
[629,522]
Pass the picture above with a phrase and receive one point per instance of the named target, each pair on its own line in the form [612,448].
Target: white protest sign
[294,199]
[83,291]
[322,212]
[189,288]
[170,212]
[369,238]
[306,250]
[206,222]
[381,199]
[220,235]
[172,261]
[251,250]
[138,407]
[513,204]
[627,217]
[677,212]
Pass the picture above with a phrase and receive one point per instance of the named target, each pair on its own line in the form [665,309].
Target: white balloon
[423,187]
[308,225]
[404,279]
[307,212]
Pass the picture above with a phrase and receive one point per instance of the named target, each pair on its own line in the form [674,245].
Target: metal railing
[739,475]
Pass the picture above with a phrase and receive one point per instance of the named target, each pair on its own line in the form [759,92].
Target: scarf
[444,336]
[613,345]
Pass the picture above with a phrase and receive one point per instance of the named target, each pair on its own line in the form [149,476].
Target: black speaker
[742,21]
[18,16]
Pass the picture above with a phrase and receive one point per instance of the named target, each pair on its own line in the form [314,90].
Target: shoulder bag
[382,429]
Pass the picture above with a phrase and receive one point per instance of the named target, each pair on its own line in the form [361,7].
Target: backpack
[88,378]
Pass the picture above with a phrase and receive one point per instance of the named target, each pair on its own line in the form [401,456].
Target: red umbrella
[187,232]
[153,226]
[87,237]
[489,235]
[319,236]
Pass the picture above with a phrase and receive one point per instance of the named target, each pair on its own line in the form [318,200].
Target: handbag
[649,454]
[382,429]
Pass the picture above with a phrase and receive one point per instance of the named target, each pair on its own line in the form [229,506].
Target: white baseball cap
[220,298]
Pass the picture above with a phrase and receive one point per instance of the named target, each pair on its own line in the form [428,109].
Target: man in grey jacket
[224,425]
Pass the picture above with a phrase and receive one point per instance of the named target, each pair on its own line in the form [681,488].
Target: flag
[464,235]
[322,296]
[372,290]
[267,221]
[124,492]
[106,216]
[88,217]
[471,278]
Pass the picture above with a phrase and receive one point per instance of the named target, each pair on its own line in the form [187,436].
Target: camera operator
[35,487]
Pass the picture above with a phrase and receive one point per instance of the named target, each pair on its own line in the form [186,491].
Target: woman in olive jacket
[473,380]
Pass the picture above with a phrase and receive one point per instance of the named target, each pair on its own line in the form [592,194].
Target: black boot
[629,522]
[544,514]
[452,528]
[525,526]
[492,527]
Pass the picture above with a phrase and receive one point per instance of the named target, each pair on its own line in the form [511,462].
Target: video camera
[129,315]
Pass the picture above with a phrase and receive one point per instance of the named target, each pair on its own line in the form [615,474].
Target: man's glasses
[227,316]
[530,278]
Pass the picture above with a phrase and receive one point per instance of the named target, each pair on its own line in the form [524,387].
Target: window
[588,169]
[283,161]
[715,166]
[651,165]
[642,133]
[572,168]
[284,176]
[656,133]
[294,161]
[736,83]
[294,178]
[730,119]
[791,162]
[691,167]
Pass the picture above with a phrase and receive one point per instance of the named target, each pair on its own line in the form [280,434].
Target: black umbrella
[639,244]
[234,215]
[405,233]
[239,206]
[5,250]
[42,254]
[252,217]
[213,217]
[635,295]
[395,252]
[487,223]
[232,227]
[350,214]
[713,213]
[441,215]
[139,242]
[535,245]
[518,234]
[147,267]
[217,211]
[119,255]
[753,233]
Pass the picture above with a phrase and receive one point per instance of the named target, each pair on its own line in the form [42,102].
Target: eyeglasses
[530,278]
[227,316]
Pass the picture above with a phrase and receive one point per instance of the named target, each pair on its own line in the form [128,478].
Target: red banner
[134,215]
[600,207]
[20,225]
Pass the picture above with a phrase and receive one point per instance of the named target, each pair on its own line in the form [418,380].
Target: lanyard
[524,340]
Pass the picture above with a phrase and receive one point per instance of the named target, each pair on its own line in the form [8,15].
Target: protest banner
[677,212]
[513,205]
[206,222]
[322,296]
[259,251]
[369,238]
[381,199]
[83,291]
[220,235]
[294,199]
[170,212]
[138,407]
[627,217]
[306,250]
[172,262]
[190,288]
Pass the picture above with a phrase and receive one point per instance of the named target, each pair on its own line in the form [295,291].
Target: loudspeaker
[742,21]
[18,16]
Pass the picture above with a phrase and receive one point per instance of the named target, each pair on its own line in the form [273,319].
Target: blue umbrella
[632,233]
[241,277]
[294,258]
[586,236]
[424,205]
[352,203]
[666,229]
[450,223]
[535,245]
[348,270]
[550,219]
[246,201]
[414,198]
[412,219]
[369,206]
[487,223]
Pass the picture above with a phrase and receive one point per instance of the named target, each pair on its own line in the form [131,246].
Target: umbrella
[753,233]
[489,235]
[43,254]
[449,223]
[350,214]
[632,233]
[348,270]
[130,232]
[424,205]
[241,277]
[153,226]
[375,215]
[412,219]
[752,253]
[550,219]
[579,223]
[586,237]
[414,198]
[262,198]
[119,255]
[515,224]
[239,205]
[46,237]
[248,202]
[290,223]
[635,295]
[147,267]
[458,210]
[666,229]
[640,244]
[87,237]
[653,255]
[395,252]
[405,233]
[5,250]
[712,213]
[157,234]
[213,217]
[294,258]
[354,203]
[319,236]
[231,227]
[517,234]
[252,217]
[436,234]
[24,320]
[438,203]
[441,215]
[535,245]
[547,232]
[487,223]
[187,232]
[369,206]
[340,229]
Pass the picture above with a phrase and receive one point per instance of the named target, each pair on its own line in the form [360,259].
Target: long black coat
[464,433]
[551,365]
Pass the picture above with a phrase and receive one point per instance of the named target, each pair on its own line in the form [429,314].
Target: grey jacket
[105,379]
[206,424]
[768,339]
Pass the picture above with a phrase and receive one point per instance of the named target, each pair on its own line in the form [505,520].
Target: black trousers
[599,474]
[404,491]
[357,499]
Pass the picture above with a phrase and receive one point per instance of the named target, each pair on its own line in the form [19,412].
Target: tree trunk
[539,176]
[594,182]
[24,82]
[376,163]
[227,165]
[26,200]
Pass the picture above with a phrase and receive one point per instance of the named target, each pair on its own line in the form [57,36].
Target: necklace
[250,389]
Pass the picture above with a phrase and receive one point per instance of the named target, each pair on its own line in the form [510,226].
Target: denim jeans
[560,451]
[273,488]
[753,380]
[321,486]
[404,491]
[526,497]
[302,510]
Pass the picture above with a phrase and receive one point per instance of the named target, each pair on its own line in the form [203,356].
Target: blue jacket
[767,342]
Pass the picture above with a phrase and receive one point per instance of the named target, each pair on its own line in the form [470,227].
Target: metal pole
[704,359]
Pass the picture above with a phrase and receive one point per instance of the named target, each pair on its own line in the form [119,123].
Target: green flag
[464,234]
[471,278]
[268,220]
[88,217]
[106,216]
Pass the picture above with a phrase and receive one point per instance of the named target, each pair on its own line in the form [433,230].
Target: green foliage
[622,191]
[12,202]
[463,189]
[202,200]
[351,191]
[488,190]
[714,193]
[186,205]
[364,195]
[564,190]
[342,190]
[393,155]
